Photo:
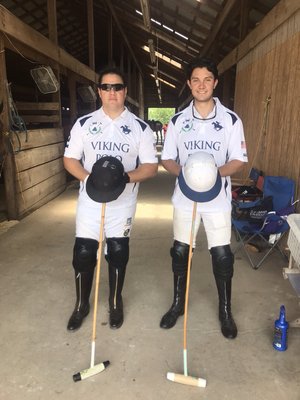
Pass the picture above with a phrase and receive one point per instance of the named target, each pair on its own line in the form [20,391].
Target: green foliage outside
[161,114]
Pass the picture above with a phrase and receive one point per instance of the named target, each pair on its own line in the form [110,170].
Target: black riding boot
[228,326]
[83,283]
[177,308]
[116,281]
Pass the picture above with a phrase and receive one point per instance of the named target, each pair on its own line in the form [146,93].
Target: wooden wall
[267,98]
[39,167]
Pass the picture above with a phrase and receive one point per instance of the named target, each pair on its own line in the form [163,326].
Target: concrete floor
[39,356]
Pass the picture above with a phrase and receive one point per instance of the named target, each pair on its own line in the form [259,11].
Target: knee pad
[222,261]
[180,255]
[85,254]
[117,252]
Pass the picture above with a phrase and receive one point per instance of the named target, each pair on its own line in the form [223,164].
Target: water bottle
[280,331]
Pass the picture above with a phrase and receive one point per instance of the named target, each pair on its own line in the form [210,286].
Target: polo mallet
[95,369]
[185,378]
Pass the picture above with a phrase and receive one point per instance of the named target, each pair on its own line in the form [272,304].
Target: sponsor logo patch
[95,128]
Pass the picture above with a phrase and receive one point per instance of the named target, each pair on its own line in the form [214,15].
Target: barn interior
[51,53]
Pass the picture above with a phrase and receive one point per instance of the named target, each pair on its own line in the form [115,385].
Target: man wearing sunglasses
[113,131]
[205,126]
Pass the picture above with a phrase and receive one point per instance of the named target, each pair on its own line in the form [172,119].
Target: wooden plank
[25,105]
[284,10]
[37,138]
[41,155]
[31,119]
[40,194]
[272,69]
[38,174]
[24,212]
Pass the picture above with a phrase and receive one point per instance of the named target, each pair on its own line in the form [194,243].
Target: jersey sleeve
[74,145]
[170,151]
[147,148]
[237,149]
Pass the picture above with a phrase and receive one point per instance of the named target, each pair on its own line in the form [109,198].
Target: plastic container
[293,241]
[280,331]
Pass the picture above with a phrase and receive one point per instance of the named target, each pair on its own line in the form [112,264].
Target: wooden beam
[73,98]
[218,25]
[141,97]
[132,101]
[110,41]
[91,35]
[9,168]
[129,75]
[122,58]
[111,8]
[276,17]
[16,29]
[177,44]
[29,106]
[52,20]
[37,119]
[244,19]
[146,13]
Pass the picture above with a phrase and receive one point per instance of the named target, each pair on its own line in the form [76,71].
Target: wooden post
[129,75]
[52,27]
[73,98]
[244,19]
[52,21]
[9,168]
[56,96]
[122,57]
[110,41]
[141,97]
[227,81]
[134,91]
[90,14]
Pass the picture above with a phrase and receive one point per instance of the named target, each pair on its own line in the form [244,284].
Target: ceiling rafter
[209,27]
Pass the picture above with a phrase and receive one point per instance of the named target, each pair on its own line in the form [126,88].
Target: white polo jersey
[127,138]
[220,134]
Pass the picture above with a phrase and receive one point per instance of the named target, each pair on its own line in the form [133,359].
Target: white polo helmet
[199,179]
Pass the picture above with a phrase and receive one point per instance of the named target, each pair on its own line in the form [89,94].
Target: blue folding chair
[261,224]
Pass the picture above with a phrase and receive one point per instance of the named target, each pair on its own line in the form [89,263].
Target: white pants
[117,221]
[217,227]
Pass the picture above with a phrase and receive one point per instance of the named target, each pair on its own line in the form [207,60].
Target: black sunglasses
[116,87]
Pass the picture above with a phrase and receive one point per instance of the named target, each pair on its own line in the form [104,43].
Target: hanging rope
[263,130]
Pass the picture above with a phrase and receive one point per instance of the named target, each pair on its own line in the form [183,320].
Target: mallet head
[186,380]
[87,373]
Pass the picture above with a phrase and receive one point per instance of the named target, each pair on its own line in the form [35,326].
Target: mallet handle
[188,277]
[97,282]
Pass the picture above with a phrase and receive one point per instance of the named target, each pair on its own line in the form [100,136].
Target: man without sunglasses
[113,131]
[204,126]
